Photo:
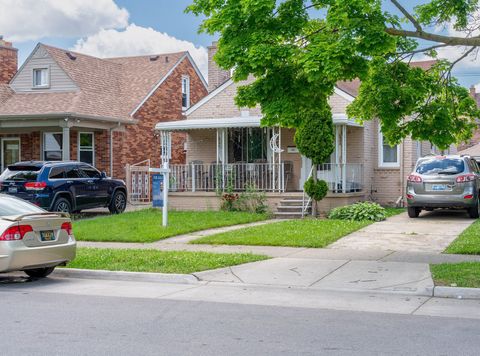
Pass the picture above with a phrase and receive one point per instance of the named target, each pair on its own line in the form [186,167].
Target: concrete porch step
[292,202]
[290,208]
[288,215]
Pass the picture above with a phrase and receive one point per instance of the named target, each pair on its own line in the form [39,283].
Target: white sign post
[165,171]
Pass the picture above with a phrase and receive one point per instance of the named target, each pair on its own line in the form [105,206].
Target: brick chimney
[8,61]
[216,75]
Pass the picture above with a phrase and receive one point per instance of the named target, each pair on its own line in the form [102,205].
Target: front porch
[58,139]
[236,154]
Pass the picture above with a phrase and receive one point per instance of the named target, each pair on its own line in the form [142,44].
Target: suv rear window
[20,173]
[447,166]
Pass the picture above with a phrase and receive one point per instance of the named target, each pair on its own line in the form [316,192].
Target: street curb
[126,276]
[456,292]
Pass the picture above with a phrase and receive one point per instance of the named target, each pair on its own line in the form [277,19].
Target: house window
[185,92]
[40,77]
[388,155]
[86,147]
[52,146]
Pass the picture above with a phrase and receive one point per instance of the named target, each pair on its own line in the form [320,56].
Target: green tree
[297,50]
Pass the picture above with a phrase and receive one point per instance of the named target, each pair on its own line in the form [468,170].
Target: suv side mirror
[103,175]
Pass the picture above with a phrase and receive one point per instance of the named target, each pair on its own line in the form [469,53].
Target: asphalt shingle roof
[108,87]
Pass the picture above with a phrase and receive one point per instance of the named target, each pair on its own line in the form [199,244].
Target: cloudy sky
[107,28]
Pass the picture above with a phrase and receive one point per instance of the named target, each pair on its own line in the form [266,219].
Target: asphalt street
[44,323]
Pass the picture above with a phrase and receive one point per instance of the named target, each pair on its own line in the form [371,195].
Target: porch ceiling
[232,122]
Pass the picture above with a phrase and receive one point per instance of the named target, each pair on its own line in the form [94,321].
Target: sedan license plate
[12,190]
[47,235]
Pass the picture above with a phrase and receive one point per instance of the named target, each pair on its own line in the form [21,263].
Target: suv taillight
[67,226]
[35,185]
[465,178]
[414,178]
[15,232]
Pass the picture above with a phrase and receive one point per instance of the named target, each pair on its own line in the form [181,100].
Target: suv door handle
[90,181]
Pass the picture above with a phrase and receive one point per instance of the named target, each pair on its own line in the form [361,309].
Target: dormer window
[185,92]
[40,78]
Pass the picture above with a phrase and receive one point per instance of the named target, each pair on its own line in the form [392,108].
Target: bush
[316,190]
[251,201]
[359,211]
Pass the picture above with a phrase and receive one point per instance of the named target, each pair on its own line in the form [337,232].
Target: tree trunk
[314,202]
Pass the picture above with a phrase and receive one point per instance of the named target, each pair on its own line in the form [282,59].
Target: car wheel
[474,212]
[118,203]
[39,272]
[62,205]
[413,212]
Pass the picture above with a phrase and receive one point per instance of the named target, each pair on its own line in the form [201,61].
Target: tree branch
[407,15]
[421,50]
[448,40]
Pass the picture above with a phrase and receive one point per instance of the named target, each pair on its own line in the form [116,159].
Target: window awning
[231,122]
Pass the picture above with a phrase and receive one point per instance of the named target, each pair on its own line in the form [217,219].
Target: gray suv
[451,182]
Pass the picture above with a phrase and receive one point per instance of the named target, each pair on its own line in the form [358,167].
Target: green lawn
[468,243]
[146,225]
[295,233]
[465,274]
[157,261]
[394,211]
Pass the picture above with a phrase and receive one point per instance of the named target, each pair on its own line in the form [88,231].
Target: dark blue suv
[63,186]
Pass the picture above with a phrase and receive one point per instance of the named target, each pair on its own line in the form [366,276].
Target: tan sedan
[33,240]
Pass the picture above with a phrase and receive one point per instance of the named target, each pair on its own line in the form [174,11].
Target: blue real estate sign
[157,190]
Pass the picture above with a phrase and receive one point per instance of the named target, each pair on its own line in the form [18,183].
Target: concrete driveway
[431,232]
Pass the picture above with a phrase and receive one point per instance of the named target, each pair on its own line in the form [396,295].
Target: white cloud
[24,20]
[137,40]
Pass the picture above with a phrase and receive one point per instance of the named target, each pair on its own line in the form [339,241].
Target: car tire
[39,272]
[118,203]
[62,205]
[413,212]
[474,212]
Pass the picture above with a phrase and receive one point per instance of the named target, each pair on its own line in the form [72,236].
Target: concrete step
[289,208]
[292,202]
[293,197]
[288,215]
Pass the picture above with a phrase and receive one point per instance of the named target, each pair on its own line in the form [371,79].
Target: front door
[10,151]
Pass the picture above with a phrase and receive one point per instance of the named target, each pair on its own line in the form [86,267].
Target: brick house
[62,105]
[226,145]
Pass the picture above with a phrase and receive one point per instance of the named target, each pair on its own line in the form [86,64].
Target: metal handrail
[305,207]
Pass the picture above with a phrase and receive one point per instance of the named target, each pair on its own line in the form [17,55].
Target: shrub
[228,201]
[316,190]
[251,201]
[359,211]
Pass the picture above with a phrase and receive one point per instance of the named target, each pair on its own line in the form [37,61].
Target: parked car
[444,182]
[63,186]
[33,240]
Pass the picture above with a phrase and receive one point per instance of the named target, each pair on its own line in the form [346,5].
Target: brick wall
[140,142]
[8,61]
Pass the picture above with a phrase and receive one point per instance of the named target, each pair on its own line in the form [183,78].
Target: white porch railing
[235,176]
[342,178]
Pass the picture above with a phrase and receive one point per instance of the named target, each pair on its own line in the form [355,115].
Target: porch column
[66,144]
[344,158]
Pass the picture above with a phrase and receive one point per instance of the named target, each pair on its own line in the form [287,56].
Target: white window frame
[42,86]
[3,151]
[43,142]
[79,149]
[187,79]
[381,163]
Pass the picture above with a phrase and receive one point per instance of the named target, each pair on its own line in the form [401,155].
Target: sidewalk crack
[233,273]
[421,305]
[328,274]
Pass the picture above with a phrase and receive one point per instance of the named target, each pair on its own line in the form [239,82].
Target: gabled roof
[109,87]
[473,151]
